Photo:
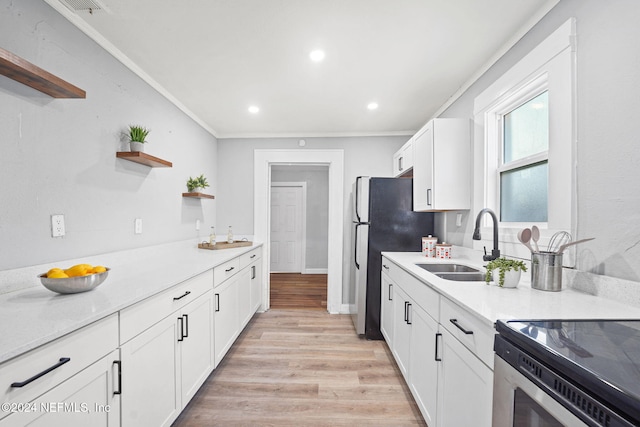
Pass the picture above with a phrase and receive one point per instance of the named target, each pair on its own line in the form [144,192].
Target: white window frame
[550,66]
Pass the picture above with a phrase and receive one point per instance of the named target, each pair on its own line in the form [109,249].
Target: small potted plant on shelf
[137,137]
[509,271]
[196,185]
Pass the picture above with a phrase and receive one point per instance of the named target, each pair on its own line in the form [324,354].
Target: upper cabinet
[403,160]
[442,166]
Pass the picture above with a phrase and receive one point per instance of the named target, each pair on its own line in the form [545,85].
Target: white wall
[362,156]
[58,155]
[608,157]
[317,221]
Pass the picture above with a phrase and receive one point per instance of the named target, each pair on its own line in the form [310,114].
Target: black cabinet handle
[181,296]
[438,358]
[400,164]
[385,266]
[181,320]
[217,302]
[252,256]
[119,363]
[186,325]
[457,325]
[428,197]
[61,362]
[229,269]
[409,313]
[253,272]
[390,291]
[406,316]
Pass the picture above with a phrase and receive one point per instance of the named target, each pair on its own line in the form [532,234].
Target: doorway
[334,160]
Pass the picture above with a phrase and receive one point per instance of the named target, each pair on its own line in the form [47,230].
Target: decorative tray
[224,245]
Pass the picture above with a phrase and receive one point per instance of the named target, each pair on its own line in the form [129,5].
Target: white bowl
[74,285]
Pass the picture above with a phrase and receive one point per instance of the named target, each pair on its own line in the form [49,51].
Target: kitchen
[53,151]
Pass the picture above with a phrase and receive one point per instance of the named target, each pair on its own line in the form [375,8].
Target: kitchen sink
[463,277]
[448,268]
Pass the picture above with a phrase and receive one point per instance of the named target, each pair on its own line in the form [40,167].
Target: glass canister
[429,246]
[546,271]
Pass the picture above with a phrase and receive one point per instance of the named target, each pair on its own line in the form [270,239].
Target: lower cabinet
[441,359]
[226,317]
[466,385]
[90,398]
[164,366]
[255,270]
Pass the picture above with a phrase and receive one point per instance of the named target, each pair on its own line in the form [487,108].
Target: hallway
[298,291]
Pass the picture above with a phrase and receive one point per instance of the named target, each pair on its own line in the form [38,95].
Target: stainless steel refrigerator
[383,220]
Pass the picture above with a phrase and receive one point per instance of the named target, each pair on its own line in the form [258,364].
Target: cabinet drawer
[249,257]
[479,341]
[82,347]
[144,314]
[226,270]
[420,292]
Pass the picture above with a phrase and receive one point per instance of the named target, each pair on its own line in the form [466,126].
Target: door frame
[303,237]
[263,160]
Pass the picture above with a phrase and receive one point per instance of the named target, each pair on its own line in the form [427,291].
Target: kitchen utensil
[524,236]
[562,248]
[73,285]
[558,239]
[535,236]
[546,271]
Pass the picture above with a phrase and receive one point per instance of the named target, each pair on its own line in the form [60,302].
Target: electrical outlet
[57,225]
[197,225]
[137,226]
[458,220]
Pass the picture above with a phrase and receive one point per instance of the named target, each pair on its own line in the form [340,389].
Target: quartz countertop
[32,315]
[491,302]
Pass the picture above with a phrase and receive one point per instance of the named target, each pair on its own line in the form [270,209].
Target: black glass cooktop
[600,356]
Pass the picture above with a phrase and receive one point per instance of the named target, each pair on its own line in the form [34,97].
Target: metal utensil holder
[546,271]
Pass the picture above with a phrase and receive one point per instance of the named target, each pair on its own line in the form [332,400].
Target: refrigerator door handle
[355,250]
[357,199]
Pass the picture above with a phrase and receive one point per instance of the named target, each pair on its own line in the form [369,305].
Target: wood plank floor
[298,291]
[303,368]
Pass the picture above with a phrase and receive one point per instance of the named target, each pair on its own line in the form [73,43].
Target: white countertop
[491,302]
[33,315]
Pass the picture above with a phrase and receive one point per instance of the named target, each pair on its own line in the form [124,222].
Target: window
[525,142]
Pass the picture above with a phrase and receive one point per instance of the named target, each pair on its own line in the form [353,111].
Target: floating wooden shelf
[33,76]
[144,159]
[198,195]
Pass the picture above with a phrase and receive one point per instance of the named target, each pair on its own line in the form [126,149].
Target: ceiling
[216,58]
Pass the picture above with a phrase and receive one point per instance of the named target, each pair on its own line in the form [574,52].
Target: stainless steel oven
[567,373]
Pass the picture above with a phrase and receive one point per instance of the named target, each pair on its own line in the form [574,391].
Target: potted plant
[509,271]
[137,137]
[195,185]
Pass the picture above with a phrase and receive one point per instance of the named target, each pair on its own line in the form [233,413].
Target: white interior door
[287,220]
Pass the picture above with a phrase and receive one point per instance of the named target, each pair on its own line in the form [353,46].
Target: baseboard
[315,271]
[344,309]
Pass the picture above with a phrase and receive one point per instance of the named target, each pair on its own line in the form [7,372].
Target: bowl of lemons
[75,279]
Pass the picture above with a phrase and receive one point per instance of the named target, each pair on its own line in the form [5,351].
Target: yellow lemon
[54,270]
[99,269]
[76,270]
[57,275]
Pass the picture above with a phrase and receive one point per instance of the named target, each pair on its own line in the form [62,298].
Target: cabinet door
[423,194]
[150,393]
[244,297]
[89,398]
[386,309]
[401,331]
[226,321]
[465,387]
[256,286]
[196,344]
[423,367]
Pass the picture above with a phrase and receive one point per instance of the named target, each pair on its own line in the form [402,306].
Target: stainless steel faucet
[495,252]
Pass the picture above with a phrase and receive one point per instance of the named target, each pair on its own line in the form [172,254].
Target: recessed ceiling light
[317,55]
[372,105]
[253,109]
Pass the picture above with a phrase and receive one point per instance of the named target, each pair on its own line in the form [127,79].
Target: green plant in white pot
[137,137]
[197,184]
[509,271]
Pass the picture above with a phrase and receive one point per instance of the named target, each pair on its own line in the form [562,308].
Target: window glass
[526,129]
[523,194]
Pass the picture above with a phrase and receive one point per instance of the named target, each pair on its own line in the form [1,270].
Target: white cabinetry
[442,166]
[166,363]
[72,381]
[444,352]
[403,160]
[226,317]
